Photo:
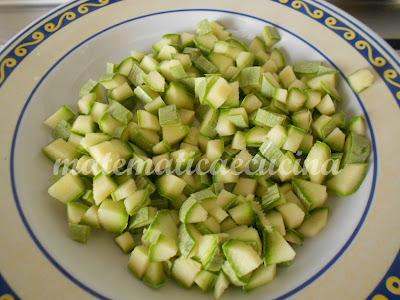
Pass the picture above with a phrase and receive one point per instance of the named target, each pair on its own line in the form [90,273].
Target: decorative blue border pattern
[44,31]
[39,33]
[383,67]
[6,293]
[389,287]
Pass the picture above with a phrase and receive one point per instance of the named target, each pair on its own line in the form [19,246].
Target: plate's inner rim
[291,292]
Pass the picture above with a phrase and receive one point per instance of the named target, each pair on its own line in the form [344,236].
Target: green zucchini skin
[209,159]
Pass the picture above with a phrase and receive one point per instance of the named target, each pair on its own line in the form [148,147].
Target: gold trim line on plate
[37,37]
[297,4]
[84,8]
[51,27]
[348,33]
[8,62]
[378,61]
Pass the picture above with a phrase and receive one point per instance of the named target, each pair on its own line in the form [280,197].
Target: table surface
[383,16]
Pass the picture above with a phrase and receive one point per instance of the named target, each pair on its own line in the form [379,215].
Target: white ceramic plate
[44,66]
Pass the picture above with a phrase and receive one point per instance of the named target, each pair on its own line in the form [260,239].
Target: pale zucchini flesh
[208,158]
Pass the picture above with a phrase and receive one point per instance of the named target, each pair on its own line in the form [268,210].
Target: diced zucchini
[68,188]
[336,139]
[314,223]
[79,233]
[357,149]
[271,152]
[214,149]
[256,136]
[148,64]
[221,284]
[272,198]
[205,280]
[242,214]
[266,118]
[139,261]
[295,99]
[233,278]
[177,94]
[61,150]
[103,186]
[173,134]
[246,234]
[172,69]
[162,249]
[98,109]
[222,61]
[260,277]
[135,201]
[163,224]
[154,105]
[271,36]
[147,120]
[277,135]
[154,276]
[218,133]
[326,106]
[245,186]
[306,143]
[209,252]
[313,98]
[276,220]
[122,92]
[136,75]
[313,195]
[91,217]
[185,270]
[316,162]
[188,239]
[217,91]
[292,214]
[170,186]
[361,79]
[113,216]
[251,78]
[143,217]
[124,190]
[209,123]
[192,211]
[239,141]
[357,125]
[241,256]
[349,179]
[287,76]
[276,249]
[205,42]
[294,237]
[86,103]
[155,81]
[64,113]
[210,225]
[125,242]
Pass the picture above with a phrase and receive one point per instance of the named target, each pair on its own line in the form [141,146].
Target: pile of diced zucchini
[213,98]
